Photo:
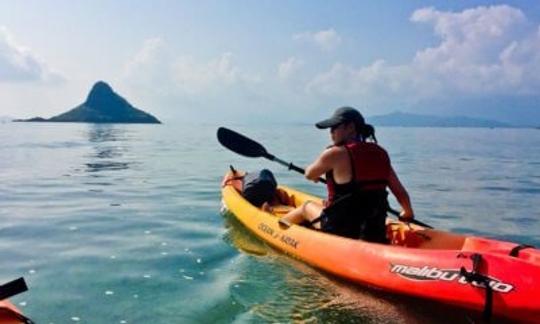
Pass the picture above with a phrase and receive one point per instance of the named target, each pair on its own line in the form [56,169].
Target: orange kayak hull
[420,262]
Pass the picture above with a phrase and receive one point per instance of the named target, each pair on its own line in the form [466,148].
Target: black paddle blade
[240,144]
[12,288]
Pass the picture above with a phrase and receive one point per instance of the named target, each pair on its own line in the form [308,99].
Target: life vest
[357,209]
[370,167]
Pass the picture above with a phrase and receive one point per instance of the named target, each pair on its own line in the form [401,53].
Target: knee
[304,206]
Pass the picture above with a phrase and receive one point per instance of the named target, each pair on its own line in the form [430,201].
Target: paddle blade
[12,288]
[240,144]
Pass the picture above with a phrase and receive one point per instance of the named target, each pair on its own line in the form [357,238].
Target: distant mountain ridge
[102,105]
[416,120]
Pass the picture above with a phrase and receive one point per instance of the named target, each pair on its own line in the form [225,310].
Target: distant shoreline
[79,122]
[302,124]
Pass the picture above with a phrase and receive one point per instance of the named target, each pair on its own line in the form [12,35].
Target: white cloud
[377,83]
[148,71]
[477,24]
[482,51]
[468,57]
[146,56]
[19,64]
[155,69]
[326,39]
[289,67]
[195,77]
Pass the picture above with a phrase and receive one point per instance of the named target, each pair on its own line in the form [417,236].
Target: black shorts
[370,227]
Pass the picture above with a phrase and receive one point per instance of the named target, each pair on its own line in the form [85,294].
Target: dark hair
[367,131]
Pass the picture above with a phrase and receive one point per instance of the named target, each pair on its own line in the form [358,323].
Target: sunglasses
[333,128]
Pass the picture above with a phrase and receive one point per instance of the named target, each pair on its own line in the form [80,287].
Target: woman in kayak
[357,172]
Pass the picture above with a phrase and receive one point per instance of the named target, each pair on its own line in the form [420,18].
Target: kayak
[495,278]
[9,314]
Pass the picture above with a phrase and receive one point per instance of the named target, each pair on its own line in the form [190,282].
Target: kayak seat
[284,198]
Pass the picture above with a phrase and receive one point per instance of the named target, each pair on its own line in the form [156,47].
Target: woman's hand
[406,215]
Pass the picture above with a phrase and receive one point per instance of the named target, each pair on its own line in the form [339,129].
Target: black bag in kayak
[259,187]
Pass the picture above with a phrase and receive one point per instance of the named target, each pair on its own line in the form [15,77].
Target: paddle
[242,145]
[245,146]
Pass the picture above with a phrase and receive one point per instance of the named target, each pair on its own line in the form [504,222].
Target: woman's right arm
[321,165]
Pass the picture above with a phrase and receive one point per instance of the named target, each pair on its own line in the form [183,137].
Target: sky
[274,61]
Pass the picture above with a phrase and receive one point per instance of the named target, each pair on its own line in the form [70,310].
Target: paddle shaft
[290,166]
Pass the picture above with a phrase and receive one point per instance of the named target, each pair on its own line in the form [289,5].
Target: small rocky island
[102,105]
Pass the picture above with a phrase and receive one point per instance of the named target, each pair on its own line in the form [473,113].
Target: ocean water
[122,223]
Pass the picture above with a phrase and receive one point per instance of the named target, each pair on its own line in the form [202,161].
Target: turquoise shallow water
[121,223]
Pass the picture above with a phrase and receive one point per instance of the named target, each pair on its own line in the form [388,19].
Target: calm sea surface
[122,223]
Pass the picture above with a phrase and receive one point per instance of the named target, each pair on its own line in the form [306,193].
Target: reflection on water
[240,237]
[95,167]
[99,133]
[110,144]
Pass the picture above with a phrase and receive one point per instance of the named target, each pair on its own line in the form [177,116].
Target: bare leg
[295,216]
[307,212]
[312,211]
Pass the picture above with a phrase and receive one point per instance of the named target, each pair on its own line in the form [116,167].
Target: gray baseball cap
[342,115]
